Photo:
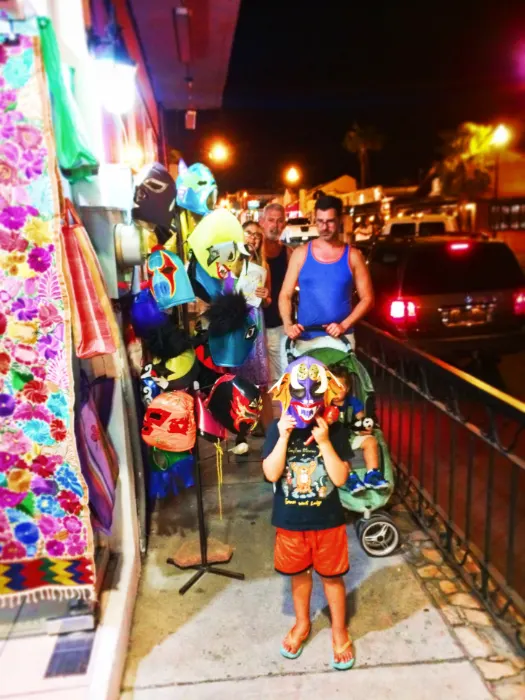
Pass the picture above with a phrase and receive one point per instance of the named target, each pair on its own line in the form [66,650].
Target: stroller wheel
[378,536]
[359,525]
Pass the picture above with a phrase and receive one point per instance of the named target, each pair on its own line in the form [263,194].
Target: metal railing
[459,450]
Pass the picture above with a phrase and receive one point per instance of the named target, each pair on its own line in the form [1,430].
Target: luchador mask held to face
[169,423]
[305,387]
[196,188]
[169,280]
[235,403]
[154,199]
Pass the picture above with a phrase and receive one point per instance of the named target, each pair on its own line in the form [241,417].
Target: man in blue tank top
[326,271]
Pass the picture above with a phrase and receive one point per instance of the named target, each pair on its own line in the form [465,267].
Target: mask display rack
[206,565]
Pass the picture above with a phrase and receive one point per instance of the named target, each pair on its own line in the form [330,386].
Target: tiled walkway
[221,640]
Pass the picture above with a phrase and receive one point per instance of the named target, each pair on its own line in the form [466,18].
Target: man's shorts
[324,550]
[275,340]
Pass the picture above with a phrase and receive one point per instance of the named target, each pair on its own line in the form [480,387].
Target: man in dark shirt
[276,255]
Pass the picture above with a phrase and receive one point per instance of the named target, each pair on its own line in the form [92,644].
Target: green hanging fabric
[75,158]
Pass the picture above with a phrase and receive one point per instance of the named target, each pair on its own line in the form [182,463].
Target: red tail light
[519,303]
[403,310]
[459,247]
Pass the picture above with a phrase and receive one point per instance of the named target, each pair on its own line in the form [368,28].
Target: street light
[500,138]
[292,175]
[219,153]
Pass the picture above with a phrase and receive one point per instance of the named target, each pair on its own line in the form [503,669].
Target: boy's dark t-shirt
[305,497]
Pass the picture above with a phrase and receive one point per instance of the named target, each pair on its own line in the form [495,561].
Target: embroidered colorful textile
[46,547]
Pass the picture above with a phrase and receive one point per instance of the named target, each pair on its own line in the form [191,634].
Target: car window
[438,269]
[432,228]
[385,266]
[403,230]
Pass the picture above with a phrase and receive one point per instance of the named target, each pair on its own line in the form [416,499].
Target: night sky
[299,78]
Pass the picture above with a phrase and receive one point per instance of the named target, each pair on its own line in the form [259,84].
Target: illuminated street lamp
[219,153]
[500,138]
[292,175]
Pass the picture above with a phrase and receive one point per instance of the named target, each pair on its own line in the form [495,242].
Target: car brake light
[519,303]
[402,310]
[458,247]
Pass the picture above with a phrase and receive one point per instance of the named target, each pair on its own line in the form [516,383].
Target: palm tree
[468,160]
[360,140]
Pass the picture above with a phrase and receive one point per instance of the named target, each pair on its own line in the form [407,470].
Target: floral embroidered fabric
[45,536]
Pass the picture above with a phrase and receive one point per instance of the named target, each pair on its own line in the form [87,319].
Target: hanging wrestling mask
[174,364]
[236,404]
[227,258]
[154,200]
[196,188]
[149,389]
[207,239]
[168,279]
[204,286]
[304,389]
[207,426]
[232,330]
[145,314]
[169,423]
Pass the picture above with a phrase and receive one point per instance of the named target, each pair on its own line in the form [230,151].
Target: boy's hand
[285,425]
[320,432]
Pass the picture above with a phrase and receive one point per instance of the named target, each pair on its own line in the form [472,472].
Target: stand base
[188,556]
[205,569]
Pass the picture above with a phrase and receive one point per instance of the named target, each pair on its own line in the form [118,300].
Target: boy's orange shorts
[324,550]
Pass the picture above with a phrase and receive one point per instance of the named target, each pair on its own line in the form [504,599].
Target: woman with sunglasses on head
[256,368]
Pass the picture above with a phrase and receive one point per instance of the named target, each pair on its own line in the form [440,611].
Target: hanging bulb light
[115,70]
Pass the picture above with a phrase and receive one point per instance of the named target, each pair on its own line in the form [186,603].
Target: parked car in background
[424,225]
[298,231]
[452,295]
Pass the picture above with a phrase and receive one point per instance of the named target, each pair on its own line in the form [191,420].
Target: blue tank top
[325,291]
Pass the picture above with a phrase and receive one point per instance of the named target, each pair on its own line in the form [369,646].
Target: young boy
[307,512]
[363,441]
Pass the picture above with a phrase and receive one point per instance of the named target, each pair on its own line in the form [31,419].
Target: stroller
[376,531]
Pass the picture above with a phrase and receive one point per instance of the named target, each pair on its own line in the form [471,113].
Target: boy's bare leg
[301,593]
[334,590]
[371,453]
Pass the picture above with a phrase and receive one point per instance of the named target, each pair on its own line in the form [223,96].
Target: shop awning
[183,41]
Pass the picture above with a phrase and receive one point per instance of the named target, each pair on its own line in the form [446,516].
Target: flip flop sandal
[343,665]
[289,655]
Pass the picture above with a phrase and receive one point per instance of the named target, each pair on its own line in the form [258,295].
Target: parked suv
[298,231]
[449,295]
[423,225]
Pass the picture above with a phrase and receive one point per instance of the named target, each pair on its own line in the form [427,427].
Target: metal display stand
[204,566]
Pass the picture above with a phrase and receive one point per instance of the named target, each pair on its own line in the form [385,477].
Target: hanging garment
[75,158]
[95,329]
[98,459]
[46,540]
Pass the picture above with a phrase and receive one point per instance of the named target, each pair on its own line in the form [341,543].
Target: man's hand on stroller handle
[293,330]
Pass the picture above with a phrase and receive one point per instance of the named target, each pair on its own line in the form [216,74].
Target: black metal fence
[459,450]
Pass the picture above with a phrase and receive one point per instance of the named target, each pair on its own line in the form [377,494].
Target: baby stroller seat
[376,531]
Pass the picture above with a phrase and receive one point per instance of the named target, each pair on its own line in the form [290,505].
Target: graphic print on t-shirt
[305,481]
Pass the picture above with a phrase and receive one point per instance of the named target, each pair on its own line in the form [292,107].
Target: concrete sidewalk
[222,639]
